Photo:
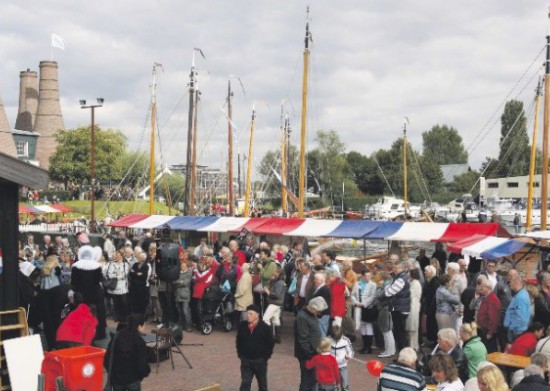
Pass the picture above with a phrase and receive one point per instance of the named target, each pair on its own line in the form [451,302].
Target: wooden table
[509,360]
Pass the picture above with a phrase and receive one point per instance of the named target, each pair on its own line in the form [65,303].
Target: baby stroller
[216,309]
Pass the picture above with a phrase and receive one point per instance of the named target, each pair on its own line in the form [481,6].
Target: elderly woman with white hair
[86,277]
[457,286]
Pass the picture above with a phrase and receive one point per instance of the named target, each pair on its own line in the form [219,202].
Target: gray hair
[448,335]
[545,276]
[532,369]
[402,264]
[431,270]
[407,356]
[539,359]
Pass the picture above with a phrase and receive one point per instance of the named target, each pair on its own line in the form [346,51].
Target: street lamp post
[92,107]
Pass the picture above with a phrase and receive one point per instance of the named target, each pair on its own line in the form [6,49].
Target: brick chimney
[48,116]
[28,100]
[7,145]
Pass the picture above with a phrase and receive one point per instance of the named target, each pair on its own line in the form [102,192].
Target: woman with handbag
[118,270]
[362,299]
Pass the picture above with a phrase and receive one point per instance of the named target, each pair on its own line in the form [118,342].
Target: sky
[372,64]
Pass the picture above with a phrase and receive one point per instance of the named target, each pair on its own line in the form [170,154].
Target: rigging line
[382,172]
[512,145]
[117,187]
[421,176]
[496,120]
[497,110]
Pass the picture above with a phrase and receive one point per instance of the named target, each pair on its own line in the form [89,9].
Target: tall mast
[190,165]
[239,172]
[303,135]
[533,160]
[188,173]
[544,181]
[284,205]
[153,124]
[405,166]
[249,167]
[230,151]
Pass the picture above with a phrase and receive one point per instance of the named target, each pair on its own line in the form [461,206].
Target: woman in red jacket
[525,344]
[78,328]
[337,298]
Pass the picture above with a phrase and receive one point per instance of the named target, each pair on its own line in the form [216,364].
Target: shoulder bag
[109,283]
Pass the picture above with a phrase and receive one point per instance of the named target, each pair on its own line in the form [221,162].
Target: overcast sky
[372,63]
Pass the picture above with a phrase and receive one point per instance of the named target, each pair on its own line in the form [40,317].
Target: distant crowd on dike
[434,319]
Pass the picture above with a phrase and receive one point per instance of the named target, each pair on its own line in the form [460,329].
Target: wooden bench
[509,360]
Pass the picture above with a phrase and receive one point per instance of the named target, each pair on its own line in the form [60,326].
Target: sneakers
[385,355]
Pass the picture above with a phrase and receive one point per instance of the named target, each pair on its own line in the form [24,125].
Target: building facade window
[493,185]
[513,184]
[22,148]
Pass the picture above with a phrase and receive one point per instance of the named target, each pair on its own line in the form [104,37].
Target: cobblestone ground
[216,362]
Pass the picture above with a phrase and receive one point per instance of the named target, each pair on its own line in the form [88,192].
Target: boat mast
[194,166]
[405,165]
[152,157]
[249,167]
[188,173]
[284,195]
[230,146]
[533,160]
[302,178]
[544,181]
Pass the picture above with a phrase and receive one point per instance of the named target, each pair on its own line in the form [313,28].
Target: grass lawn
[82,208]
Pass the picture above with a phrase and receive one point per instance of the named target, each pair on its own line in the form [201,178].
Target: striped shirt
[398,377]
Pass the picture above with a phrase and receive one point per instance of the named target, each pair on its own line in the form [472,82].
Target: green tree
[71,160]
[464,183]
[175,185]
[514,151]
[135,168]
[443,145]
[333,166]
[489,168]
[365,173]
[272,159]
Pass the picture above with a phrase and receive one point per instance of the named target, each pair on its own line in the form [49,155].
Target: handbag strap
[110,370]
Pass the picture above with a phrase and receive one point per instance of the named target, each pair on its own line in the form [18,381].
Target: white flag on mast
[58,42]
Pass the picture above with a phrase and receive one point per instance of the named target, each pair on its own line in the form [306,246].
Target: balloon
[374,367]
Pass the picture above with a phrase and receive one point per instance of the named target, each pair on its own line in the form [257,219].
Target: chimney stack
[48,116]
[28,100]
[7,145]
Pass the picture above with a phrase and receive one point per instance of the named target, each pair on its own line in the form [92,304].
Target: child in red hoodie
[327,372]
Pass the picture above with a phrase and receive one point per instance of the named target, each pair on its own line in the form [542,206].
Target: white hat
[86,253]
[318,304]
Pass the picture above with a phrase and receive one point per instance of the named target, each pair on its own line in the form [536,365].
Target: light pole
[92,154]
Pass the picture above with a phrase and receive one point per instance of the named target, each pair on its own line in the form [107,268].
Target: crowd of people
[437,318]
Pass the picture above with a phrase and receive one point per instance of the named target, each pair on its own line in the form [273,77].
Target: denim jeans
[184,312]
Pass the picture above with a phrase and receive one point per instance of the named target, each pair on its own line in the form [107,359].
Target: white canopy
[421,232]
[315,228]
[225,224]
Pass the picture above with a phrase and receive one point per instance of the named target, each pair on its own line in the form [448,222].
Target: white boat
[389,207]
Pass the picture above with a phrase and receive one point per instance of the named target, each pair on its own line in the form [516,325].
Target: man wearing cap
[254,348]
[307,335]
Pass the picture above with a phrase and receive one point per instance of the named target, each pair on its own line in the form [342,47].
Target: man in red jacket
[78,328]
[234,247]
[489,315]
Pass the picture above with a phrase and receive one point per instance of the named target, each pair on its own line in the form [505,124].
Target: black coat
[258,344]
[532,383]
[307,335]
[129,358]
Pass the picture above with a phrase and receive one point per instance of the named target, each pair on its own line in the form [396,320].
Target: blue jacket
[518,312]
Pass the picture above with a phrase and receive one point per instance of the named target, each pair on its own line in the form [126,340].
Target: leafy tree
[464,183]
[71,161]
[272,159]
[364,171]
[332,165]
[443,145]
[175,185]
[489,167]
[514,142]
[135,168]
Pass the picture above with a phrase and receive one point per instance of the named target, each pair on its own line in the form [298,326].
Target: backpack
[169,266]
